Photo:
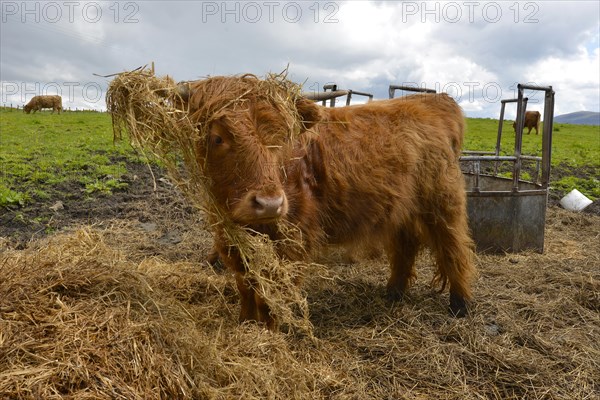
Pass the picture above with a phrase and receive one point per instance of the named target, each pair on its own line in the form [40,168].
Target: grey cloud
[189,40]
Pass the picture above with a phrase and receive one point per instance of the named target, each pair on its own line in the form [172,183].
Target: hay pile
[86,315]
[174,129]
[77,323]
[79,320]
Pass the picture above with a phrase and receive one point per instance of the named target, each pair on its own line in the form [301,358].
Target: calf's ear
[309,112]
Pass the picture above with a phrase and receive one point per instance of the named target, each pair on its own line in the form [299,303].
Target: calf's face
[246,152]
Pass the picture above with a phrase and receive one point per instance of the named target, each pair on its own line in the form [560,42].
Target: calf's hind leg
[453,248]
[401,251]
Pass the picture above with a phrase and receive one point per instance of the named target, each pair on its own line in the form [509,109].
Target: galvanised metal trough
[508,214]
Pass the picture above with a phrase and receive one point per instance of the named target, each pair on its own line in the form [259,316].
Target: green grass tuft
[590,186]
[11,198]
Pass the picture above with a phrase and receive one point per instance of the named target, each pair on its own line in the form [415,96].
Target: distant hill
[579,118]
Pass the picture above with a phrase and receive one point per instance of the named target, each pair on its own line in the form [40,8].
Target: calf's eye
[218,139]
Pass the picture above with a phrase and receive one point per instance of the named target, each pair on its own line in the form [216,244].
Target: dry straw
[85,315]
[157,119]
[80,320]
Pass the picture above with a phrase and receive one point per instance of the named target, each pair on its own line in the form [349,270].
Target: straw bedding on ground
[88,313]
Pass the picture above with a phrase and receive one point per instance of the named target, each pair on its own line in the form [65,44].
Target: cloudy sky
[475,50]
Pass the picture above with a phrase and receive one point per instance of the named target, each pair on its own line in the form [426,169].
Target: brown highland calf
[532,121]
[385,172]
[44,101]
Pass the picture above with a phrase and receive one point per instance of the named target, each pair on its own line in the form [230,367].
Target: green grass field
[572,145]
[575,151]
[43,153]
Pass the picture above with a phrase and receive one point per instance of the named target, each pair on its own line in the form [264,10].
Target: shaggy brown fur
[385,172]
[44,101]
[532,121]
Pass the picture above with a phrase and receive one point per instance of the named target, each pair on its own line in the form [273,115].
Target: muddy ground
[148,198]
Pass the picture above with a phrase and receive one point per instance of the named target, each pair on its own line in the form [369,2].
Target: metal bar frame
[546,131]
[351,92]
[330,92]
[544,161]
[501,123]
[393,88]
[332,87]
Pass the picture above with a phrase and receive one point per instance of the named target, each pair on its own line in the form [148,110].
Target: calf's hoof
[267,321]
[214,260]
[458,306]
[394,295]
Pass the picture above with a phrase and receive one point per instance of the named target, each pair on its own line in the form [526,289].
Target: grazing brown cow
[532,120]
[385,172]
[44,101]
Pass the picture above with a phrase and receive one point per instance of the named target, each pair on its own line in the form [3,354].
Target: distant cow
[385,172]
[44,101]
[532,120]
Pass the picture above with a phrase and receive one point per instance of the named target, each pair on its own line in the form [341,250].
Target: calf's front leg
[253,306]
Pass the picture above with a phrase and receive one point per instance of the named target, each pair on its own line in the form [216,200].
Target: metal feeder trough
[509,214]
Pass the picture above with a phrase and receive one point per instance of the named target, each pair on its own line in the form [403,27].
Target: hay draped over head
[152,111]
[173,125]
[223,96]
[159,116]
